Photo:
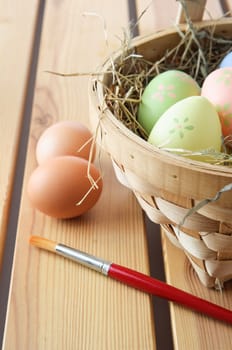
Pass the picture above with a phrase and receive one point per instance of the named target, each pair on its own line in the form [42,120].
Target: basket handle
[195,10]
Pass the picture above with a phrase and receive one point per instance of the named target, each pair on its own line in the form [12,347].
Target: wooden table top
[47,302]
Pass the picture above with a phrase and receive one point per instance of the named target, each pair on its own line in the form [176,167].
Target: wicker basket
[167,186]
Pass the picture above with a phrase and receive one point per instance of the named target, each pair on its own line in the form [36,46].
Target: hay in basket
[191,200]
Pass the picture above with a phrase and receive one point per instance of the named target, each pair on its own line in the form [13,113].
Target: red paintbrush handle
[152,286]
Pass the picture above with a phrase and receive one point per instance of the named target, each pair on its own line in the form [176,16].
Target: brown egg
[65,138]
[61,187]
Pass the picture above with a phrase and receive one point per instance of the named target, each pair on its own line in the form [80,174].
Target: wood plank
[154,15]
[17,27]
[160,15]
[54,303]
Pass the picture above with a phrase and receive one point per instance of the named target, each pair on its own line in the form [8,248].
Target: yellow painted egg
[191,124]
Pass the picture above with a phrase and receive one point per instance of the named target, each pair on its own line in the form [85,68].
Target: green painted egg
[162,92]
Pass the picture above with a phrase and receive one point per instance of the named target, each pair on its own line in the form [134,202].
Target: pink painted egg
[217,88]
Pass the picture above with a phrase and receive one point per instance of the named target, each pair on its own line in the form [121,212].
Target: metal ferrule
[84,259]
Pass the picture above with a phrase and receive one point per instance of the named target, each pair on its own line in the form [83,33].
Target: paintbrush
[135,279]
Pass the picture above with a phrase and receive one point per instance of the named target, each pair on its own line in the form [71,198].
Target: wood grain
[17,27]
[54,303]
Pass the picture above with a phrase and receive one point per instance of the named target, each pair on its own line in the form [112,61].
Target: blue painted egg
[227,61]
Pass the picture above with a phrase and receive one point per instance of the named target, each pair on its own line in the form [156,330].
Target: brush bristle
[43,243]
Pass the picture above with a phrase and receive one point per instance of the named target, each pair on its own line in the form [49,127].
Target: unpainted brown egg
[65,186]
[65,138]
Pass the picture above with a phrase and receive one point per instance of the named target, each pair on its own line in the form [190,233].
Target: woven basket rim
[181,161]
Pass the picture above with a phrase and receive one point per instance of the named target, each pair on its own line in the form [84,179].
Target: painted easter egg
[227,61]
[191,124]
[162,92]
[217,87]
